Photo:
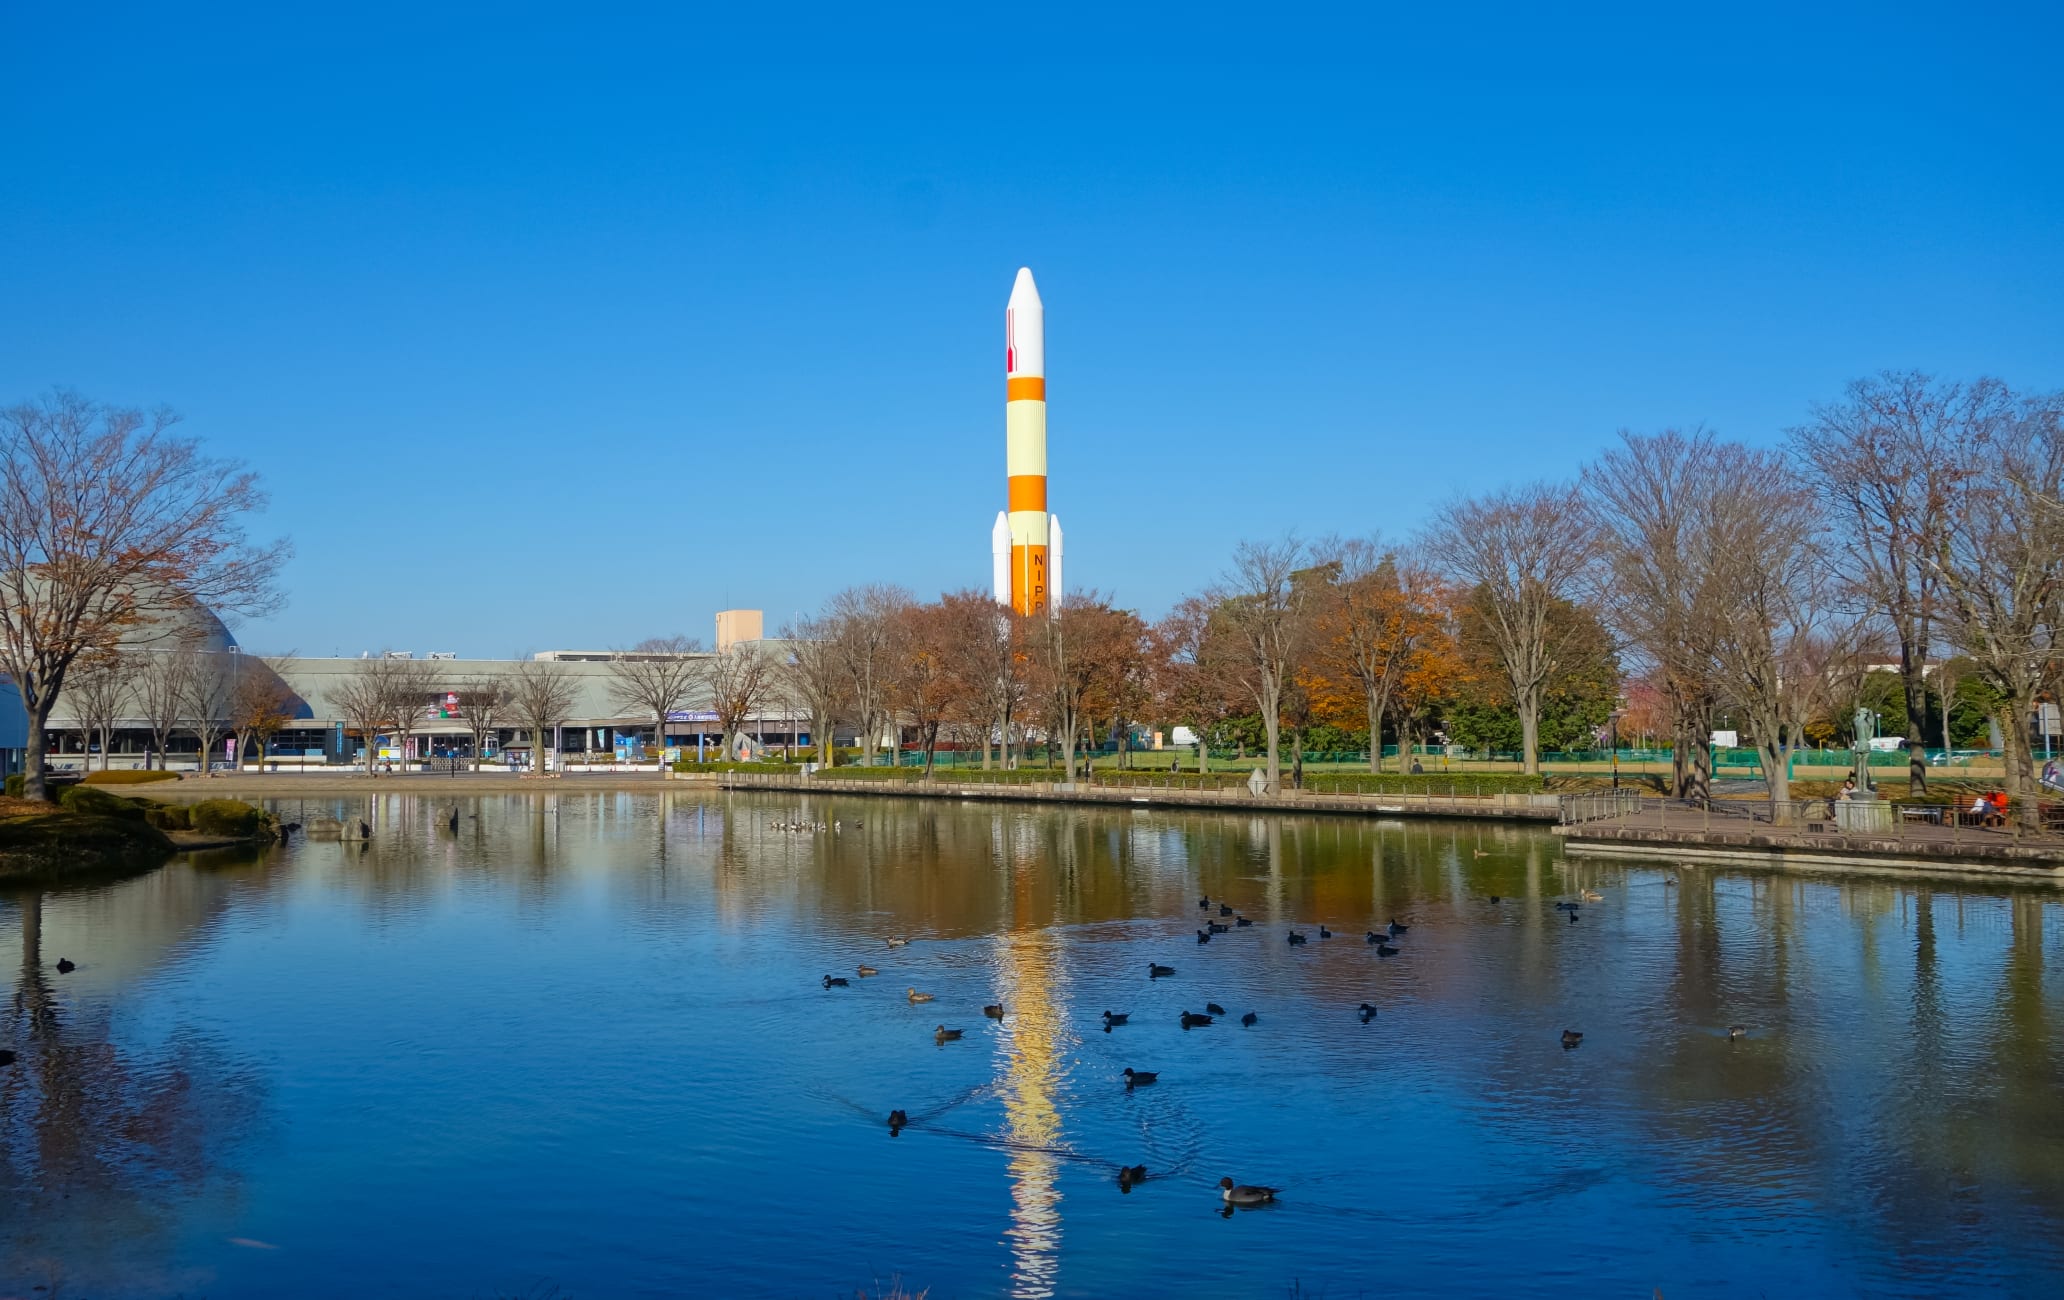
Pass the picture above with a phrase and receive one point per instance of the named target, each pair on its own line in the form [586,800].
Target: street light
[1617,714]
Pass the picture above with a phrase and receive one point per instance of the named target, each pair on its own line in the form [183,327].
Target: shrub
[129,776]
[789,769]
[169,816]
[92,802]
[228,817]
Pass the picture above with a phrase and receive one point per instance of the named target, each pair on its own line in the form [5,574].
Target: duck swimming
[945,1035]
[1386,950]
[994,1012]
[1214,1008]
[897,940]
[1242,1194]
[865,971]
[1570,1038]
[1737,1031]
[1395,928]
[1296,937]
[916,996]
[1131,1176]
[1324,933]
[1373,937]
[1202,937]
[66,966]
[1242,922]
[897,1119]
[1247,1021]
[1190,1019]
[836,982]
[1367,1013]
[1204,901]
[1216,928]
[1593,896]
[1225,909]
[1159,972]
[1116,1017]
[1139,1078]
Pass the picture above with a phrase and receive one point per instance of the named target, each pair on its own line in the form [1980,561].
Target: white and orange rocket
[1025,546]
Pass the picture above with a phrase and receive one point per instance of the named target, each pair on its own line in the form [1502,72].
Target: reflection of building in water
[1030,983]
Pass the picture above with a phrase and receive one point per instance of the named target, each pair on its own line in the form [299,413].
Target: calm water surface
[581,1048]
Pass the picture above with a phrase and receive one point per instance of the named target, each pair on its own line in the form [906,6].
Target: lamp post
[1615,721]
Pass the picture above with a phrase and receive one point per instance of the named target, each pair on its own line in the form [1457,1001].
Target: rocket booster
[1032,561]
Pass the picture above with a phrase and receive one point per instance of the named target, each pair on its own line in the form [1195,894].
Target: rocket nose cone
[1023,291]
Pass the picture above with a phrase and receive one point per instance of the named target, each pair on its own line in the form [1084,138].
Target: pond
[580,1046]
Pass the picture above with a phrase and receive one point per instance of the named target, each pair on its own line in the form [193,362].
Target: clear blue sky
[479,291]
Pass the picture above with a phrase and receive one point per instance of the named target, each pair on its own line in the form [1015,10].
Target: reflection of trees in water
[104,1148]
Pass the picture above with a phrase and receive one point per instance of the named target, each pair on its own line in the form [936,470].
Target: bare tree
[364,702]
[1651,509]
[1886,463]
[540,695]
[1525,549]
[107,523]
[412,694]
[159,694]
[2000,563]
[260,706]
[208,681]
[925,687]
[813,676]
[1370,624]
[739,682]
[95,695]
[1193,683]
[482,699]
[864,623]
[656,675]
[1261,608]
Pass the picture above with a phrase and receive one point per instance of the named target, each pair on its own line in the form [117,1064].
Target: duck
[1565,906]
[945,1035]
[1117,1017]
[1204,901]
[1737,1031]
[66,966]
[1372,937]
[1387,950]
[1572,917]
[1191,1020]
[1367,1013]
[837,982]
[365,832]
[898,1119]
[1397,929]
[1483,853]
[1214,1008]
[1130,1176]
[897,940]
[994,1011]
[1242,1194]
[916,996]
[1225,909]
[289,829]
[1216,928]
[1495,900]
[1296,937]
[1242,922]
[1593,896]
[1140,1078]
[1203,937]
[1324,933]
[6,1057]
[1159,972]
[1669,880]
[866,971]
[1247,1021]
[1570,1038]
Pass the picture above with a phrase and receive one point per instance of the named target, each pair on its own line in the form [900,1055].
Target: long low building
[314,720]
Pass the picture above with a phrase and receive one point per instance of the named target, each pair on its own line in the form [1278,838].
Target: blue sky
[479,291]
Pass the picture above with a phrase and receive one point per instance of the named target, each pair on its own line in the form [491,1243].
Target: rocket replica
[1025,546]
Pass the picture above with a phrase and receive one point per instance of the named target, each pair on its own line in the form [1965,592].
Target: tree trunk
[1297,758]
[1068,747]
[1375,732]
[2020,759]
[34,767]
[1530,732]
[1911,666]
[1272,730]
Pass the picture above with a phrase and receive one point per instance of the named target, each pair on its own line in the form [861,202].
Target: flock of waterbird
[1221,918]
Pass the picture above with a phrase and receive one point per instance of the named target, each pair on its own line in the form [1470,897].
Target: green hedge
[90,802]
[129,776]
[786,769]
[169,816]
[229,817]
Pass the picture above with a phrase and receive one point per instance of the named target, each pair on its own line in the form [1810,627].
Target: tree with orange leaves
[1370,627]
